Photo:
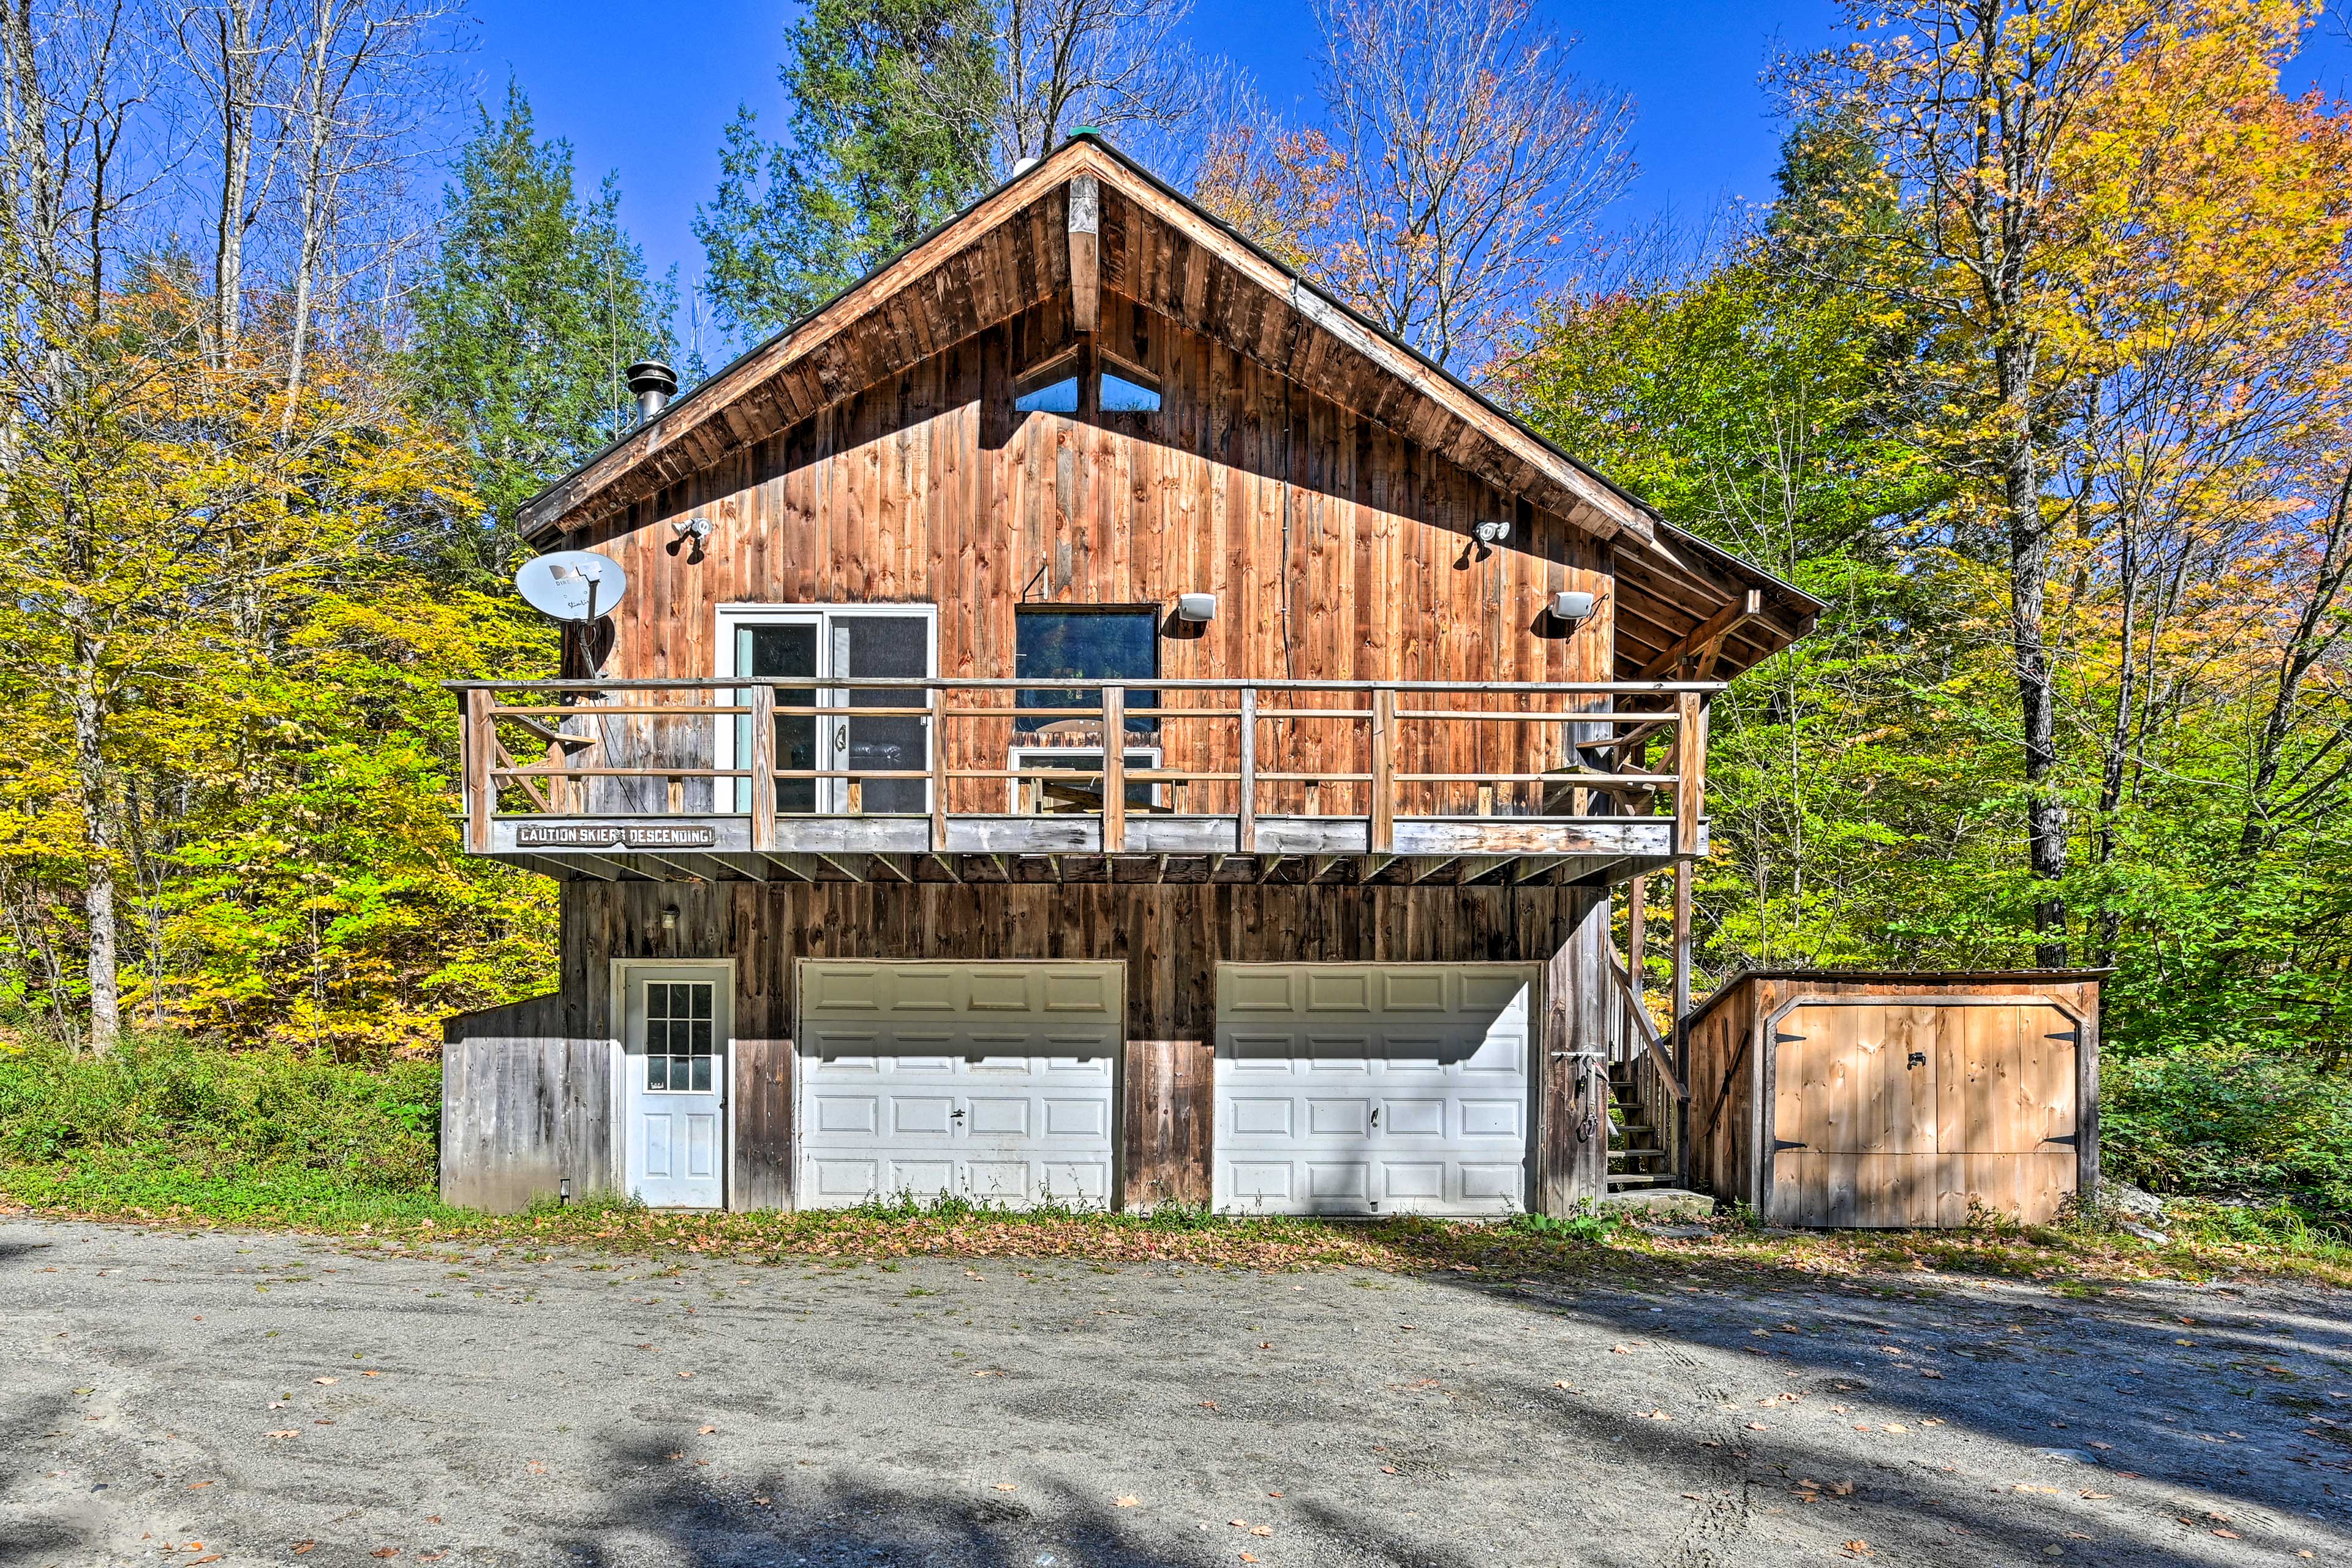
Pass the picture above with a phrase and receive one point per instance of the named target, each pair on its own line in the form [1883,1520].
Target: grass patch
[164,1132]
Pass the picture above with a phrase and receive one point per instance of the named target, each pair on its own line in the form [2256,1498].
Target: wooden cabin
[1091,720]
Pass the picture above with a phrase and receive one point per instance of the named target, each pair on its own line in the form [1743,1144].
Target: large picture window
[1051,641]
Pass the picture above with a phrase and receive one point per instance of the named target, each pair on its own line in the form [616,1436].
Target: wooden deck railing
[943,749]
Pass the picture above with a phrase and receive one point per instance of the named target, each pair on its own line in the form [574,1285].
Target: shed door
[1364,1089]
[674,1089]
[986,1081]
[1889,1114]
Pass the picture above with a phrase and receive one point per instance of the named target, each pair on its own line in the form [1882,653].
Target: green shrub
[162,1099]
[2220,1120]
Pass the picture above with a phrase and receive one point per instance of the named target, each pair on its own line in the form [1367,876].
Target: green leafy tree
[539,305]
[884,140]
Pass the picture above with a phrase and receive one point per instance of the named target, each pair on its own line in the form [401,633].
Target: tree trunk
[98,836]
[2037,693]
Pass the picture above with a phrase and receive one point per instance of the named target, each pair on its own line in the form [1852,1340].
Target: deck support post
[1383,826]
[481,747]
[1114,778]
[763,766]
[938,769]
[1247,823]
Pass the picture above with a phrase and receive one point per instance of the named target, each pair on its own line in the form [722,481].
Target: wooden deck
[1509,782]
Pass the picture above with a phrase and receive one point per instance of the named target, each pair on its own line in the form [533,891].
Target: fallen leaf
[2101,1496]
[1857,1548]
[2097,1445]
[761,1500]
[1262,1529]
[371,1375]
[289,1432]
[302,1546]
[385,1552]
[194,1485]
[1274,1494]
[1247,1558]
[329,1381]
[1265,1344]
[704,1431]
[431,1556]
[1126,1502]
[1757,1426]
[537,1466]
[1388,1469]
[217,1557]
[2232,1534]
[1842,1489]
[1237,1523]
[1006,1487]
[686,1374]
[1929,1371]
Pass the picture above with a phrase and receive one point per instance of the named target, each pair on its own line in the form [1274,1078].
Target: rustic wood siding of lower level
[1171,938]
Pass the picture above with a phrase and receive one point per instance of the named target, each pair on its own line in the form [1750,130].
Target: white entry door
[673,1084]
[987,1082]
[1358,1088]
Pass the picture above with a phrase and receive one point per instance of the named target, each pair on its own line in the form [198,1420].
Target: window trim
[1126,370]
[1067,366]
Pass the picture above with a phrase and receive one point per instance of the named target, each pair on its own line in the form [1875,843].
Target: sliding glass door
[822,646]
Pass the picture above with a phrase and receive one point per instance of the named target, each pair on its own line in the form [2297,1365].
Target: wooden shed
[1890,1099]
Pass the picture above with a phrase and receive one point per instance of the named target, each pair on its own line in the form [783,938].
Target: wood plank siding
[512,1147]
[1336,550]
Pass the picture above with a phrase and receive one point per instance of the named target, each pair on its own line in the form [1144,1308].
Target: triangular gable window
[1051,388]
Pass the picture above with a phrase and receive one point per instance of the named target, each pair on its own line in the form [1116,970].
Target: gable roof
[1010,250]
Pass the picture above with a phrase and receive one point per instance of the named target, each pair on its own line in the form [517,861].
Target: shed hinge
[2072,1036]
[1781,1143]
[2066,1138]
[1779,1038]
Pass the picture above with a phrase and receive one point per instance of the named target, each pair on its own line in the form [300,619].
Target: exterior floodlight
[1492,532]
[1196,608]
[698,527]
[1571,606]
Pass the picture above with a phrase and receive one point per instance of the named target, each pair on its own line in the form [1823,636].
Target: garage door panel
[991,1082]
[1338,1118]
[846,1114]
[1243,993]
[1417,1184]
[1504,1119]
[1416,1138]
[1266,1183]
[1416,991]
[921,1117]
[1414,1118]
[1078,1119]
[1338,991]
[1253,1116]
[1338,1183]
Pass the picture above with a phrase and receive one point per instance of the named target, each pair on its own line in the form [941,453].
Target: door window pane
[885,648]
[782,652]
[680,1042]
[1085,644]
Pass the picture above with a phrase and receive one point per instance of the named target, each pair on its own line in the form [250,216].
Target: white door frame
[732,618]
[626,972]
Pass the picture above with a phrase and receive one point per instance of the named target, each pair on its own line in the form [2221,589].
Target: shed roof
[1955,978]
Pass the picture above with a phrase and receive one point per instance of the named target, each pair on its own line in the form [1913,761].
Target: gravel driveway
[259,1393]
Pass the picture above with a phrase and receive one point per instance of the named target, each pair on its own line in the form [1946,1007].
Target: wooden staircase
[1637,1151]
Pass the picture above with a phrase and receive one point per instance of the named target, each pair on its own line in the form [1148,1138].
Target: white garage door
[1370,1089]
[990,1081]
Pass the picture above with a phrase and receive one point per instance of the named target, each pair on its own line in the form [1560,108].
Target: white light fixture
[1196,609]
[1571,606]
[698,528]
[1492,532]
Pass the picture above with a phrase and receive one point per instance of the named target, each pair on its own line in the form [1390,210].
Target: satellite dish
[572,584]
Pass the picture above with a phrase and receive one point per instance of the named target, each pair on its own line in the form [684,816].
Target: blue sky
[644,89]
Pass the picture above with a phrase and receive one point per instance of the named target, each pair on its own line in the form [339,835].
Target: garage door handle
[957,1116]
[1376,1116]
